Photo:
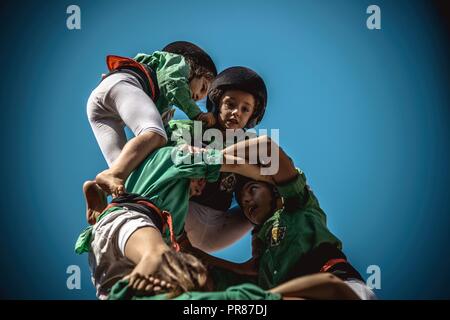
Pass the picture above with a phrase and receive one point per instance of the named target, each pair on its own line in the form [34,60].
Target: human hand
[146,285]
[208,118]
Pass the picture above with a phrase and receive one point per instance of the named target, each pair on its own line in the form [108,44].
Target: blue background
[364,113]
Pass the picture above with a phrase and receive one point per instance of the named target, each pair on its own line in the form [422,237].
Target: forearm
[316,286]
[242,148]
[239,268]
[249,150]
[236,165]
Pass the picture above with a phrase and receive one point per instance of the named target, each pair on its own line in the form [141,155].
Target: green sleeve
[172,72]
[202,165]
[297,194]
[294,188]
[184,132]
[178,93]
[294,192]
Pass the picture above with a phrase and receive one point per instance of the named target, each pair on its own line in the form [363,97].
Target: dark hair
[200,63]
[183,271]
[242,182]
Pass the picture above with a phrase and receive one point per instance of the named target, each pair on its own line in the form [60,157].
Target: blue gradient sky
[364,113]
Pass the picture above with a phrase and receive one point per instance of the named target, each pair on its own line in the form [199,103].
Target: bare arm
[286,169]
[317,286]
[241,166]
[249,267]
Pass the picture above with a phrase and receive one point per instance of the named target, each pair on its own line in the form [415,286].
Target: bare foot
[110,183]
[95,200]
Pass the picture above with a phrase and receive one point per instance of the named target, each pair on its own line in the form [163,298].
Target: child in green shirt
[291,238]
[131,235]
[137,93]
[238,99]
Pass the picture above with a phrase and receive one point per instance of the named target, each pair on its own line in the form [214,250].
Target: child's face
[196,187]
[199,88]
[256,200]
[236,109]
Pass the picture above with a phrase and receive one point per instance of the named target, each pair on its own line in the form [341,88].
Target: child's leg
[95,200]
[140,114]
[134,152]
[118,232]
[145,248]
[109,133]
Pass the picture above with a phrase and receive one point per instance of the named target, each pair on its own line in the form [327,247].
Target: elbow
[338,288]
[268,143]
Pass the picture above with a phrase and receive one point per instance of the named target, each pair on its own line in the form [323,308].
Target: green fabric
[83,243]
[224,278]
[172,73]
[166,183]
[288,235]
[190,131]
[182,131]
[245,291]
[294,188]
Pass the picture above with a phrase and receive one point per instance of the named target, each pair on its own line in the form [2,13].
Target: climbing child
[291,238]
[130,235]
[136,93]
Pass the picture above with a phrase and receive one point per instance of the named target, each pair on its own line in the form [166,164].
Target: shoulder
[171,60]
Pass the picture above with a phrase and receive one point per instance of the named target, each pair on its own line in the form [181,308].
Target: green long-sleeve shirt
[164,179]
[172,73]
[291,232]
[284,238]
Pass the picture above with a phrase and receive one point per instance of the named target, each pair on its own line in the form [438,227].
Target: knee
[157,139]
[160,140]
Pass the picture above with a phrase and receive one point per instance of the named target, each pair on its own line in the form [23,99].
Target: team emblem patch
[277,235]
[228,182]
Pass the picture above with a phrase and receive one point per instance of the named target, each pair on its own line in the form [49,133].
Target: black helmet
[244,79]
[192,52]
